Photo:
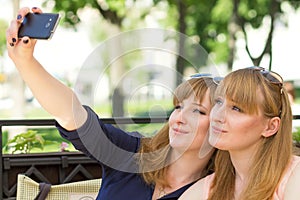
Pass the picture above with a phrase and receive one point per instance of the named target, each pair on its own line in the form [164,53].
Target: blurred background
[229,34]
[234,33]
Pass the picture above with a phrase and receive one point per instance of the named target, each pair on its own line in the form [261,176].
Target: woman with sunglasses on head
[162,167]
[251,125]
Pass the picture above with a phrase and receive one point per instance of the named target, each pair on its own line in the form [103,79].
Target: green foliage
[296,136]
[111,10]
[25,142]
[218,21]
[3,27]
[147,130]
[118,6]
[210,20]
[50,134]
[4,138]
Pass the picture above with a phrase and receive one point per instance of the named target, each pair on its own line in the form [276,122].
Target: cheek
[171,119]
[201,133]
[213,112]
[202,125]
[247,132]
[246,125]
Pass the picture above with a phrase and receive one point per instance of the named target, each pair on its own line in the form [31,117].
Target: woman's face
[232,129]
[189,123]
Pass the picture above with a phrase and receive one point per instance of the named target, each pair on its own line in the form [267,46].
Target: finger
[12,33]
[22,13]
[36,10]
[9,44]
[27,42]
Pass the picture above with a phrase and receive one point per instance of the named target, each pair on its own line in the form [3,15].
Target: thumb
[27,42]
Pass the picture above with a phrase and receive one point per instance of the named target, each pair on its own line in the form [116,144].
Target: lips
[217,130]
[179,131]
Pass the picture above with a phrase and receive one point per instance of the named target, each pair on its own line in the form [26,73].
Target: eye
[199,111]
[235,108]
[218,101]
[177,107]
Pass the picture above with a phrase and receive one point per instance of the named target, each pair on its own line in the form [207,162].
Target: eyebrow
[199,104]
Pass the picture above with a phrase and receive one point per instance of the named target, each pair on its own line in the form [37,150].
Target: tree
[219,24]
[269,8]
[112,11]
[252,13]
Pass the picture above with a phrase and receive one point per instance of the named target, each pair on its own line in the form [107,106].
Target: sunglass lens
[272,76]
[201,75]
[218,79]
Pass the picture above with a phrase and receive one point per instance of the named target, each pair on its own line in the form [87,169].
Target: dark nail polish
[14,40]
[34,8]
[11,44]
[19,17]
[25,41]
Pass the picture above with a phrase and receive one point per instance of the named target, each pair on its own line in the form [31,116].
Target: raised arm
[56,98]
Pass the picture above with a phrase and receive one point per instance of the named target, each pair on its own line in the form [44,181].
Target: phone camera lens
[47,25]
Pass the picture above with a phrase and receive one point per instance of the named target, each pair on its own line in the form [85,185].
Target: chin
[177,145]
[214,140]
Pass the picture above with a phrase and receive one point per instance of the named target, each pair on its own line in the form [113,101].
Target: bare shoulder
[292,187]
[199,190]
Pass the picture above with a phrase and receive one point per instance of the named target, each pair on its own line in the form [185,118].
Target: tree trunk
[182,29]
[232,30]
[116,69]
[274,8]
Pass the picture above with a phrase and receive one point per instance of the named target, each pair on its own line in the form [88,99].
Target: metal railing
[51,123]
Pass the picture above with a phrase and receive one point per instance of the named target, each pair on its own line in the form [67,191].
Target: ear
[271,127]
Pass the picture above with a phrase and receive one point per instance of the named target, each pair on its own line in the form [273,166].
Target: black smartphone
[39,25]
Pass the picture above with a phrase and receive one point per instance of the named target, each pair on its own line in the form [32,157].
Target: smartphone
[39,25]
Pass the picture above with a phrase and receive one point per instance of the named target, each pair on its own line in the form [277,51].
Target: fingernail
[25,41]
[11,44]
[34,8]
[14,40]
[19,17]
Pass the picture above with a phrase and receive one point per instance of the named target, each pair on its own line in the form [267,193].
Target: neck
[184,169]
[187,168]
[242,161]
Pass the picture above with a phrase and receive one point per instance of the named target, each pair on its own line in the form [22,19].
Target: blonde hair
[158,146]
[274,152]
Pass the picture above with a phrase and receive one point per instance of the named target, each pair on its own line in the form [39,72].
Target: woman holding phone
[166,165]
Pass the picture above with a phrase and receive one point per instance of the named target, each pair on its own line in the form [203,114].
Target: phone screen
[39,26]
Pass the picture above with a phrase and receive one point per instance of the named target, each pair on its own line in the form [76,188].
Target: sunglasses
[216,79]
[271,76]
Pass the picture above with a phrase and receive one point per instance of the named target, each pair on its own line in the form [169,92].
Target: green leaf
[25,142]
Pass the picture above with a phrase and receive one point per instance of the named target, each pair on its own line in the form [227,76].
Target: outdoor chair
[28,189]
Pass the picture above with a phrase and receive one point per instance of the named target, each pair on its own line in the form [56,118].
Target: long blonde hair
[273,154]
[158,146]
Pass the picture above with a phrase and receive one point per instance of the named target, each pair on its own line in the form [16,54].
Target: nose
[180,116]
[218,113]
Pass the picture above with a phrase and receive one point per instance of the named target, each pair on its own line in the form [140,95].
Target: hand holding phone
[39,25]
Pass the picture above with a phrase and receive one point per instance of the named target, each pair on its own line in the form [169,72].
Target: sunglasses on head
[216,79]
[271,76]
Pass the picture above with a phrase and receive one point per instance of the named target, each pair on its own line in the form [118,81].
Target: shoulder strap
[44,190]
